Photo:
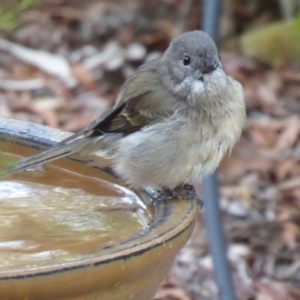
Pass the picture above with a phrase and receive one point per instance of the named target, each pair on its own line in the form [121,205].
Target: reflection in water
[48,224]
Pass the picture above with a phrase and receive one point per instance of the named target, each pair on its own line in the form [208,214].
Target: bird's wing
[132,111]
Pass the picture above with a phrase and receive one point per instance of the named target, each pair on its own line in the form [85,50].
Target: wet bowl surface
[129,269]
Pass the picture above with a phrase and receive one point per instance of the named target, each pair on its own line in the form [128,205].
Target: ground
[93,46]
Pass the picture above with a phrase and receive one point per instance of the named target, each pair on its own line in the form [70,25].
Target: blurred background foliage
[262,25]
[62,63]
[10,12]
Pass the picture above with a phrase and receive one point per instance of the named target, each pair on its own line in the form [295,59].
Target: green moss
[274,44]
[9,14]
[6,162]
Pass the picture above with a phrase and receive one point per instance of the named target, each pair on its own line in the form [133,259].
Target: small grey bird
[173,121]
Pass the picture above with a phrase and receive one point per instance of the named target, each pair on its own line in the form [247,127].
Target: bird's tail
[46,156]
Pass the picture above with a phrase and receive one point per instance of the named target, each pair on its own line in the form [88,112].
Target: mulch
[94,46]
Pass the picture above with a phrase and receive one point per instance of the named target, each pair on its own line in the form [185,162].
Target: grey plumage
[173,121]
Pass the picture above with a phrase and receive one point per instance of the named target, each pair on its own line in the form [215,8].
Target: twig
[289,184]
[50,63]
[22,85]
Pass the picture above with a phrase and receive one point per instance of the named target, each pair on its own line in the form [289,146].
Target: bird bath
[94,238]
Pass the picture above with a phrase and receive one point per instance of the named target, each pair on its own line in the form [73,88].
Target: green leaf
[9,16]
[24,4]
[297,23]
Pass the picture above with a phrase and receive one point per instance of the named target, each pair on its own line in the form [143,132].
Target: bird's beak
[209,67]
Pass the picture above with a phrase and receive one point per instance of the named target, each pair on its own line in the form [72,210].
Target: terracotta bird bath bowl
[68,245]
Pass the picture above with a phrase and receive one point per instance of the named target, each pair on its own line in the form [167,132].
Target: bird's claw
[186,192]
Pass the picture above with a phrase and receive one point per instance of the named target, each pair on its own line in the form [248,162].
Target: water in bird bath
[63,212]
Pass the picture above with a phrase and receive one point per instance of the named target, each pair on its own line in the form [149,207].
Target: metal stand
[211,16]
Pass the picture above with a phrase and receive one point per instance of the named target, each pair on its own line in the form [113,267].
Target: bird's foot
[186,191]
[158,195]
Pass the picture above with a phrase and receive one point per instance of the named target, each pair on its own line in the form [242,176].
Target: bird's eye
[186,60]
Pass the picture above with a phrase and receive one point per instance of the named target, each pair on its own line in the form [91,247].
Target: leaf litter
[63,66]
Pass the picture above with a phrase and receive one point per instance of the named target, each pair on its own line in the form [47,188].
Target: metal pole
[216,236]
